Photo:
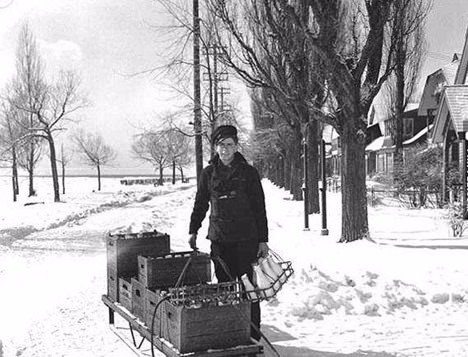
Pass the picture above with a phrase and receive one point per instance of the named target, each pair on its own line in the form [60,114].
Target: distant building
[451,125]
[440,97]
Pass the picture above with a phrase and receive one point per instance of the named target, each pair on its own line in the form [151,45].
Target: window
[408,126]
[389,158]
[381,162]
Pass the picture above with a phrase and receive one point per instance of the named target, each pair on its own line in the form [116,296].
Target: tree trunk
[296,178]
[354,223]
[181,170]
[98,167]
[399,111]
[63,177]
[313,172]
[161,177]
[53,165]
[173,172]
[279,180]
[14,174]
[31,169]
[287,171]
[281,171]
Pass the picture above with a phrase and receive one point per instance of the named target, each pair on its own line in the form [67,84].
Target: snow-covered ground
[404,295]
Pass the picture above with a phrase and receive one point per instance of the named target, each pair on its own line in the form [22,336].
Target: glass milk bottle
[249,288]
[270,273]
[263,282]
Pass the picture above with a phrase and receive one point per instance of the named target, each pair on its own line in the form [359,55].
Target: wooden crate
[122,255]
[138,299]
[112,284]
[152,298]
[125,292]
[164,271]
[202,328]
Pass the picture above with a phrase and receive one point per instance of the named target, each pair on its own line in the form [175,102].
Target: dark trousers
[238,258]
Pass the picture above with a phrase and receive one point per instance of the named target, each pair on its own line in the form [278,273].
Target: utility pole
[324,231]
[305,187]
[214,76]
[196,91]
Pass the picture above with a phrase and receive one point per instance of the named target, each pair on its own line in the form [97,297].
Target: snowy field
[404,295]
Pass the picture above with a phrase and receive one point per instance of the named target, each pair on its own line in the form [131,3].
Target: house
[380,146]
[433,88]
[451,126]
[333,150]
[418,123]
[379,152]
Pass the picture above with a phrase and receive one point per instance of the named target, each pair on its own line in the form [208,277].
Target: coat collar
[239,159]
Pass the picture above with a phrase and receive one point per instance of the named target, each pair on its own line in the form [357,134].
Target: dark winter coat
[237,203]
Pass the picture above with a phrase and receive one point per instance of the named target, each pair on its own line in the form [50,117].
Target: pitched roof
[382,142]
[462,70]
[450,71]
[453,111]
[435,83]
[457,102]
[453,108]
[421,134]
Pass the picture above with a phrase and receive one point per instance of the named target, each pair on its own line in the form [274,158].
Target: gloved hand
[262,250]
[193,241]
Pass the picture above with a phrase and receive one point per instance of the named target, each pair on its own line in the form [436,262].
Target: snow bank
[404,295]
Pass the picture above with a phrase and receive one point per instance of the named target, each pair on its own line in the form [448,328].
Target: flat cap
[223,132]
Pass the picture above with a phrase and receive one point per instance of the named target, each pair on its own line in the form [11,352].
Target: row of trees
[310,63]
[316,62]
[35,110]
[166,147]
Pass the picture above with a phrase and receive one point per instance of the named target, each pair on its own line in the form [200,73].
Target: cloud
[61,55]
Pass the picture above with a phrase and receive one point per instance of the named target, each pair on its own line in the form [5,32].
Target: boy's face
[226,148]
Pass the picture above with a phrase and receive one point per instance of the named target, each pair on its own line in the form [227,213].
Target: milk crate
[122,255]
[199,327]
[138,299]
[125,292]
[152,298]
[164,271]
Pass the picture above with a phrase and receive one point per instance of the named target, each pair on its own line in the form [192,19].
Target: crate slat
[164,271]
[192,329]
[125,292]
[122,255]
[138,299]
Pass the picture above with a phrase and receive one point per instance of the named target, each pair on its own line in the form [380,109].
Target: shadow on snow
[275,335]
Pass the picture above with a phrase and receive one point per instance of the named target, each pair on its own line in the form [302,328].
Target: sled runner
[138,338]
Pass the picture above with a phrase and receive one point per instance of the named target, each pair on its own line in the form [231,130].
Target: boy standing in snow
[238,228]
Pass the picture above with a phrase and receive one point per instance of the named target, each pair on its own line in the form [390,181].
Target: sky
[107,41]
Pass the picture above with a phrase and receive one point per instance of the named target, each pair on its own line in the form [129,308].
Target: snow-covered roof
[382,142]
[435,83]
[454,108]
[417,136]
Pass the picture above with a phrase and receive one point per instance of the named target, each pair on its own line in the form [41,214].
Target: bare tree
[152,147]
[188,22]
[63,160]
[53,106]
[408,18]
[179,152]
[357,48]
[49,106]
[268,51]
[94,151]
[349,45]
[10,141]
[29,82]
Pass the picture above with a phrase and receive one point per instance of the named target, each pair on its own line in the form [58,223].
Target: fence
[393,197]
[406,198]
